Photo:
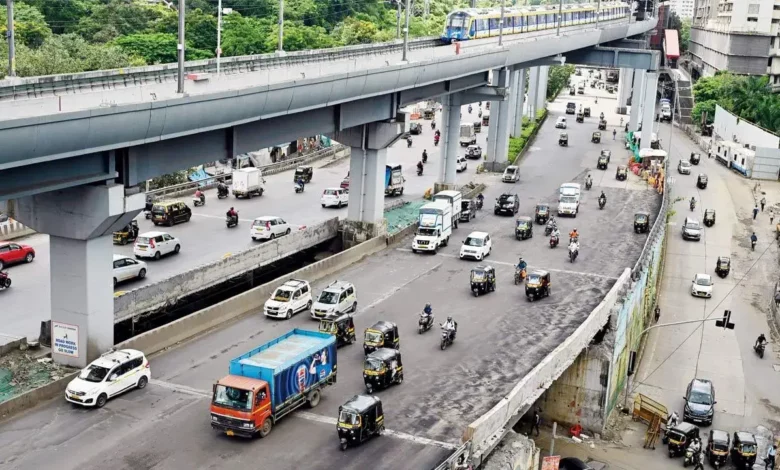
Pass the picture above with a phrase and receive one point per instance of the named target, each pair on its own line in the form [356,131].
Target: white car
[701,286]
[109,375]
[155,244]
[335,197]
[684,167]
[268,228]
[560,123]
[477,245]
[339,297]
[126,268]
[568,205]
[290,298]
[461,164]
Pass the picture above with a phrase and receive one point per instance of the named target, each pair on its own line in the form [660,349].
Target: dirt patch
[21,372]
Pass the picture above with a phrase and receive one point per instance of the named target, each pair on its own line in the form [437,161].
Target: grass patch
[517,144]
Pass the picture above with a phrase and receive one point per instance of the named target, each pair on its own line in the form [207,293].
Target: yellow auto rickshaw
[360,418]
[382,334]
[340,326]
[128,234]
[537,285]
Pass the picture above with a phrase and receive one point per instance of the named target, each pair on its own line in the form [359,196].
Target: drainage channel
[236,285]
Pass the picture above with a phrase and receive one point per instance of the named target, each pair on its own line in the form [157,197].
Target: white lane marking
[400,435]
[504,263]
[394,290]
[220,217]
[308,416]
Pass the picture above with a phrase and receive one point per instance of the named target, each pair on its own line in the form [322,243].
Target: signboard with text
[551,462]
[65,339]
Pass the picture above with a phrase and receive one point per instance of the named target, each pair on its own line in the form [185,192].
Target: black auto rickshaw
[542,213]
[596,137]
[723,266]
[603,125]
[744,450]
[709,217]
[680,436]
[641,222]
[127,235]
[477,127]
[586,112]
[468,210]
[580,117]
[572,92]
[563,139]
[606,153]
[340,326]
[382,368]
[429,113]
[524,228]
[360,418]
[695,158]
[701,181]
[602,163]
[483,280]
[382,334]
[718,447]
[537,285]
[305,172]
[621,173]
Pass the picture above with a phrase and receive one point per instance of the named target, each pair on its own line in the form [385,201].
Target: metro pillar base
[356,232]
[444,187]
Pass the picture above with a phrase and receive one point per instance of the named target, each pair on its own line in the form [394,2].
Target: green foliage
[517,144]
[749,98]
[168,180]
[30,26]
[114,18]
[559,78]
[157,48]
[245,36]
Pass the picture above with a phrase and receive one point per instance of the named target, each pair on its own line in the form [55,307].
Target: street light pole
[219,34]
[180,47]
[406,31]
[560,18]
[9,5]
[501,25]
[281,26]
[398,20]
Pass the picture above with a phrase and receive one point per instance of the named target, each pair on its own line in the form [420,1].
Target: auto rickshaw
[701,181]
[382,334]
[723,266]
[483,280]
[563,139]
[580,117]
[709,217]
[340,326]
[305,172]
[603,125]
[622,173]
[542,213]
[477,126]
[586,111]
[474,151]
[695,158]
[596,137]
[537,285]
[744,450]
[572,92]
[602,163]
[428,113]
[360,418]
[382,368]
[524,228]
[606,153]
[680,436]
[718,447]
[128,234]
[641,222]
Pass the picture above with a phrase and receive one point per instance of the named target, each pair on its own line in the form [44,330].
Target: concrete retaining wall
[246,303]
[12,229]
[168,291]
[33,397]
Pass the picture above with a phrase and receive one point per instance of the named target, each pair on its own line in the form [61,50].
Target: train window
[473,29]
[550,18]
[482,25]
[531,20]
[457,21]
[493,22]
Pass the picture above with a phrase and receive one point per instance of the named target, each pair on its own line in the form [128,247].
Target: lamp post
[9,5]
[180,47]
[406,32]
[501,25]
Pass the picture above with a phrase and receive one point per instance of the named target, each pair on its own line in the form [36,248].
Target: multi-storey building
[683,8]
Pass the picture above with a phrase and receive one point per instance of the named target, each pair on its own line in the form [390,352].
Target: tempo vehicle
[467,135]
[338,298]
[248,182]
[477,245]
[452,198]
[360,419]
[113,373]
[288,299]
[155,244]
[699,402]
[434,227]
[394,181]
[335,197]
[268,227]
[260,388]
[126,268]
[12,253]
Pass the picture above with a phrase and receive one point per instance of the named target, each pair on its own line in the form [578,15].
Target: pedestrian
[763,203]
[771,215]
[755,212]
[614,133]
[535,421]
[777,299]
[769,460]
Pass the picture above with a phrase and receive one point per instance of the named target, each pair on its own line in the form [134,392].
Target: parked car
[699,402]
[339,297]
[268,227]
[111,374]
[477,246]
[335,197]
[12,253]
[155,244]
[288,299]
[126,268]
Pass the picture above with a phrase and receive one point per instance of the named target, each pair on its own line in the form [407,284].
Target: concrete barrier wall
[29,399]
[12,229]
[248,302]
[168,291]
[489,427]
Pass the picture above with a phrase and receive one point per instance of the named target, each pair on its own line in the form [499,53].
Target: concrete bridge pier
[369,142]
[450,141]
[500,123]
[624,90]
[533,91]
[648,108]
[80,222]
[519,90]
[541,90]
[637,99]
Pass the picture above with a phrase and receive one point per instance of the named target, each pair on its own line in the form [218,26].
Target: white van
[570,189]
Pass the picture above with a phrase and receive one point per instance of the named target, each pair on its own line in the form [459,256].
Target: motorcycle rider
[409,141]
[693,202]
[450,327]
[433,124]
[673,420]
[300,182]
[480,200]
[427,313]
[469,109]
[588,181]
[436,139]
[603,197]
[232,214]
[601,116]
[419,168]
[222,188]
[556,234]
[574,235]
[760,341]
[425,156]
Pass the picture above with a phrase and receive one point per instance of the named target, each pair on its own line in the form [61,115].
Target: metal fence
[658,229]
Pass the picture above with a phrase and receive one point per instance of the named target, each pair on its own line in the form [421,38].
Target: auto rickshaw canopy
[482,273]
[542,209]
[381,333]
[596,134]
[724,262]
[353,413]
[622,169]
[563,135]
[523,222]
[603,159]
[719,440]
[641,217]
[305,172]
[683,433]
[606,153]
[745,443]
[709,214]
[333,323]
[381,359]
[537,278]
[702,178]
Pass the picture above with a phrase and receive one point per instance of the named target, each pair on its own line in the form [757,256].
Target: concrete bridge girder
[614,57]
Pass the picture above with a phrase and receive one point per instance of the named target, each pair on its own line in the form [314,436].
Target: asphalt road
[501,337]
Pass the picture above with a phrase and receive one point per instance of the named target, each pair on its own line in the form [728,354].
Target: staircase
[683,96]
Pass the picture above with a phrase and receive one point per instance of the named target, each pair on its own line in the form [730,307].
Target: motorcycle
[519,275]
[231,221]
[553,241]
[222,192]
[298,188]
[602,202]
[409,143]
[479,204]
[5,281]
[447,338]
[199,201]
[759,349]
[691,455]
[419,171]
[588,184]
[693,205]
[425,323]
[548,229]
[573,255]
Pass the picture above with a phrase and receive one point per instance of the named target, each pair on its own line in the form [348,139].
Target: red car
[11,253]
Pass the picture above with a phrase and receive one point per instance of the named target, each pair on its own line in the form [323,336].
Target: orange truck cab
[273,380]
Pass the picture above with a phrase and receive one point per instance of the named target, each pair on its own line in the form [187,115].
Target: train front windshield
[456,26]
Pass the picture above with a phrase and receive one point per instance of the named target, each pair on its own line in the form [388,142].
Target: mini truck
[271,381]
[394,180]
[248,182]
[434,227]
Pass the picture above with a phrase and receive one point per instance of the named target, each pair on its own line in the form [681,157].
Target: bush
[517,144]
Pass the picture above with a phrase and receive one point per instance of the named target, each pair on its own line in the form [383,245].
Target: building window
[752,19]
[769,62]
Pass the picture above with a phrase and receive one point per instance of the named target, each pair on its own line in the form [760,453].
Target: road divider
[11,229]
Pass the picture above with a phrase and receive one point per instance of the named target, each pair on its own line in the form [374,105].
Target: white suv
[335,197]
[461,164]
[155,244]
[268,227]
[109,375]
[339,297]
[290,298]
[477,245]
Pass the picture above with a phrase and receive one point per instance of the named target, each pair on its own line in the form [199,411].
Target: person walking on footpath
[769,460]
[763,203]
[771,215]
[614,133]
[755,212]
[535,421]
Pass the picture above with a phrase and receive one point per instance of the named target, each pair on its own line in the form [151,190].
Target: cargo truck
[434,227]
[454,200]
[467,135]
[248,182]
[394,180]
[273,380]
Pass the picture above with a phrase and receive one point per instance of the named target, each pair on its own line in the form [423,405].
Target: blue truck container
[394,180]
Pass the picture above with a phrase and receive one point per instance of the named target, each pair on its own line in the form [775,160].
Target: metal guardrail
[34,87]
[659,226]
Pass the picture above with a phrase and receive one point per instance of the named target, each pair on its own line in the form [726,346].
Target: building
[740,36]
[683,8]
[744,147]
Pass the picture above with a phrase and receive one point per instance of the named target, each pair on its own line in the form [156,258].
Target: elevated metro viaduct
[76,175]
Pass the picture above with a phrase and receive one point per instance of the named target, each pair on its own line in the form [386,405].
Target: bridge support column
[80,222]
[648,108]
[624,90]
[519,102]
[451,142]
[636,100]
[500,116]
[365,213]
[541,92]
[533,91]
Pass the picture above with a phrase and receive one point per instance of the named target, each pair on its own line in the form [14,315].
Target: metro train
[478,23]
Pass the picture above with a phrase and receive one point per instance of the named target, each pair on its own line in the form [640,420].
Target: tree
[158,48]
[245,36]
[62,15]
[685,34]
[30,26]
[353,31]
[163,181]
[558,78]
[115,18]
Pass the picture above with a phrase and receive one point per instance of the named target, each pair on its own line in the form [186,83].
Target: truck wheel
[265,429]
[314,398]
[260,192]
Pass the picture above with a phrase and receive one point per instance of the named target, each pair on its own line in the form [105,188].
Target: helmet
[231,208]
[427,305]
[449,318]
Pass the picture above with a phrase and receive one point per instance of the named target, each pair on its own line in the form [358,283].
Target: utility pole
[9,5]
[180,46]
[501,25]
[219,34]
[281,27]
[406,31]
[560,18]
[426,8]
[473,3]
[398,19]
